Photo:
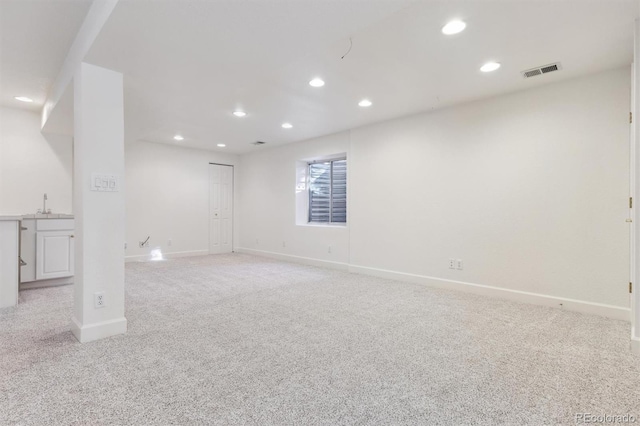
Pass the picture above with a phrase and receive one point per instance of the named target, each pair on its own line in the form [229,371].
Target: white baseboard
[173,255]
[90,332]
[297,259]
[635,345]
[46,283]
[609,311]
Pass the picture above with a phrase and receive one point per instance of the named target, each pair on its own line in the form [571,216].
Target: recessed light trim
[454,27]
[287,125]
[490,66]
[23,99]
[178,137]
[316,82]
[222,145]
[365,103]
[239,113]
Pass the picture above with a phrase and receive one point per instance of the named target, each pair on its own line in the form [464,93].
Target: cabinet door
[55,254]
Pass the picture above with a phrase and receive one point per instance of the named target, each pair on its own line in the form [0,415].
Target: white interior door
[221,209]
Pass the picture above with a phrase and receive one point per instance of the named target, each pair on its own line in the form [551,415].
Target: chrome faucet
[44,204]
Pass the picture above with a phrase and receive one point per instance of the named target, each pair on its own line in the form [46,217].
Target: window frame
[330,222]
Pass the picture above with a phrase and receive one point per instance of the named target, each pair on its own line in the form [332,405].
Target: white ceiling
[189,63]
[35,36]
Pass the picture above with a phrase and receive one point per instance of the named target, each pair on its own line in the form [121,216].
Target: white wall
[32,164]
[529,189]
[167,197]
[267,200]
[166,187]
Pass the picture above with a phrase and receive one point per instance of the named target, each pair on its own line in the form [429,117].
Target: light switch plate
[105,182]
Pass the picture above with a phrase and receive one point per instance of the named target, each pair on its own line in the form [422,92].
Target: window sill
[323,225]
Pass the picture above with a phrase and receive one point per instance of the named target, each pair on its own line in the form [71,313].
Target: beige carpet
[238,339]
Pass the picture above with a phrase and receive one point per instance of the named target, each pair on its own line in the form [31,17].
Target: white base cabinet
[47,249]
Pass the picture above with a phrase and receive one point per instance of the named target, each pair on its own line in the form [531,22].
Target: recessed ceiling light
[23,99]
[316,82]
[454,27]
[221,145]
[365,103]
[490,66]
[239,113]
[178,137]
[287,125]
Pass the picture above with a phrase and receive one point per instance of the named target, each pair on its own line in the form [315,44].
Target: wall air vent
[541,70]
[258,143]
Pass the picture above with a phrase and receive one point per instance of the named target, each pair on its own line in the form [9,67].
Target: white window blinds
[328,191]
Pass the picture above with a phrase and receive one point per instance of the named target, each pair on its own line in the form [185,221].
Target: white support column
[635,185]
[100,214]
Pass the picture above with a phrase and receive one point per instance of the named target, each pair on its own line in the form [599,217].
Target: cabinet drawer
[54,224]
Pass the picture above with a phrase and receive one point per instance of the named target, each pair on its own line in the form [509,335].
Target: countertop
[36,216]
[48,216]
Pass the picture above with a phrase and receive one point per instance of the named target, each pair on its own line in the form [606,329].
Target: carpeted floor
[238,339]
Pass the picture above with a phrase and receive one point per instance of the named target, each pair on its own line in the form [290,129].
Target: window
[328,191]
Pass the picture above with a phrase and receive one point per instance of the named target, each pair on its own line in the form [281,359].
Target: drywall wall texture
[530,190]
[267,200]
[32,164]
[167,198]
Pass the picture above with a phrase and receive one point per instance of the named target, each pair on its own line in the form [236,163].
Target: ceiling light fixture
[490,66]
[178,137]
[316,82]
[239,113]
[221,145]
[287,125]
[365,103]
[23,99]
[454,27]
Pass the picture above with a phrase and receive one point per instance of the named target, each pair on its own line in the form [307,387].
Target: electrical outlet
[169,242]
[284,244]
[452,264]
[125,245]
[459,264]
[99,300]
[329,249]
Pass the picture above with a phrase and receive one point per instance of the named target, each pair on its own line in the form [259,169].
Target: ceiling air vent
[258,143]
[541,70]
